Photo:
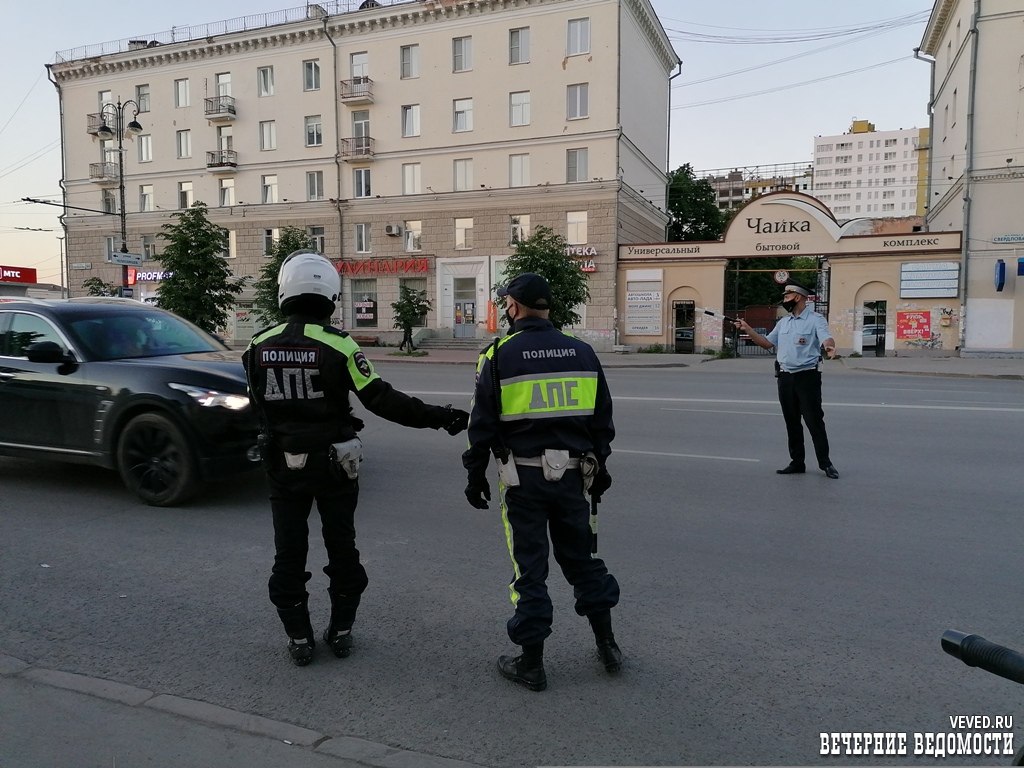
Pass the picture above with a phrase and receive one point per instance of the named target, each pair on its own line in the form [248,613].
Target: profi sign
[17,274]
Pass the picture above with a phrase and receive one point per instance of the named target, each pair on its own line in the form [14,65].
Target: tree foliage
[410,310]
[199,286]
[96,286]
[544,253]
[692,209]
[265,305]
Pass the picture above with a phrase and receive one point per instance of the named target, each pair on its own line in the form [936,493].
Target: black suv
[125,386]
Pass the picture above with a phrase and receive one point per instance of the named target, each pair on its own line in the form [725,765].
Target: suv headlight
[209,398]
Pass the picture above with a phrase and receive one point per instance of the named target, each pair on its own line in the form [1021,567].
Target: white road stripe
[687,455]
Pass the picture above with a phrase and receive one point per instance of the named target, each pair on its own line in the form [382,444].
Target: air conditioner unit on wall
[392,229]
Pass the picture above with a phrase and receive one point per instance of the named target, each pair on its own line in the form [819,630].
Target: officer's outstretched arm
[384,400]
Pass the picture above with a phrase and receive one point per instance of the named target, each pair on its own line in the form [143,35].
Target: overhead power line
[782,37]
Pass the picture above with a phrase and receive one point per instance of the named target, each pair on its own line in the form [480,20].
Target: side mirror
[47,352]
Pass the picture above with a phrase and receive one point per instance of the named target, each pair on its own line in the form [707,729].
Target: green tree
[544,252]
[410,309]
[95,286]
[265,305]
[200,287]
[692,209]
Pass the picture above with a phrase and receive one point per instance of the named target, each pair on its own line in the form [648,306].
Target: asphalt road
[758,611]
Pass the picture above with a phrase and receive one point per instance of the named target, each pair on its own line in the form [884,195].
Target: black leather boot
[300,633]
[607,649]
[338,634]
[527,668]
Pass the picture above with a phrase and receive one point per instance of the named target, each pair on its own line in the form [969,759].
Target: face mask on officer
[789,305]
[508,315]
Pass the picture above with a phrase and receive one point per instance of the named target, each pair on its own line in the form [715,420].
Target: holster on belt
[589,467]
[347,456]
[295,460]
[554,463]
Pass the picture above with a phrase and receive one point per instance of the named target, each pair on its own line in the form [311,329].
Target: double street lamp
[107,132]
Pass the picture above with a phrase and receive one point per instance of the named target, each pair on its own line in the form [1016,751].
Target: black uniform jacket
[553,395]
[300,374]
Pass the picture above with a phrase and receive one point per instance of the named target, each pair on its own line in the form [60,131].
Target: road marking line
[687,455]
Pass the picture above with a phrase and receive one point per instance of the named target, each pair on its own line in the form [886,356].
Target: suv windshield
[139,333]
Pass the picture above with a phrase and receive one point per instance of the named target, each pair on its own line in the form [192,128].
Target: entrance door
[465,307]
[873,332]
[685,333]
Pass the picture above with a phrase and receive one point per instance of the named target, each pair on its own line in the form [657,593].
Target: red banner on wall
[17,274]
[914,325]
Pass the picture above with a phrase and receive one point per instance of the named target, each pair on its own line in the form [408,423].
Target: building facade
[413,141]
[976,178]
[735,187]
[866,173]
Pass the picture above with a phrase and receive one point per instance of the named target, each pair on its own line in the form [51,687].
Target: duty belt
[538,461]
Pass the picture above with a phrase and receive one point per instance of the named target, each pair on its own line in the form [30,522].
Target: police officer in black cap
[542,404]
[300,374]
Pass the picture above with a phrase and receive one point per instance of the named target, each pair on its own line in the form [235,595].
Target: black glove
[478,492]
[602,482]
[453,420]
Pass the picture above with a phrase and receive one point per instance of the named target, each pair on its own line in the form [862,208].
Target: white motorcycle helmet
[307,276]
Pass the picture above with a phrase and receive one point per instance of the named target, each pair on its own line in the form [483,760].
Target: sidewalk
[48,717]
[973,367]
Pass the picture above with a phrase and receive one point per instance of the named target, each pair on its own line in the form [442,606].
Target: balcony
[358,90]
[222,161]
[103,173]
[359,149]
[220,109]
[93,123]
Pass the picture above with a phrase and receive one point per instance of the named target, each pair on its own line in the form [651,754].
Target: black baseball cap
[529,289]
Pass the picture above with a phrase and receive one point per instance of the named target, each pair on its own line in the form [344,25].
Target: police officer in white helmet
[300,374]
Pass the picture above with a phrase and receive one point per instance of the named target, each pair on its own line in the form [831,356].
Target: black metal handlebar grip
[976,651]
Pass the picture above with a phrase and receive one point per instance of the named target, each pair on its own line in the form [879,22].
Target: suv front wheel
[156,461]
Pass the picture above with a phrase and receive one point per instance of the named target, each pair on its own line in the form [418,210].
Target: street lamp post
[106,132]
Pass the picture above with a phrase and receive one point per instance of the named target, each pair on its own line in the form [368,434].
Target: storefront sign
[1008,239]
[383,266]
[914,325]
[925,279]
[138,276]
[643,313]
[586,265]
[580,250]
[366,311]
[17,274]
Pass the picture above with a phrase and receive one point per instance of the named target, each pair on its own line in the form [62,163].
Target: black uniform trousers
[800,396]
[292,492]
[530,510]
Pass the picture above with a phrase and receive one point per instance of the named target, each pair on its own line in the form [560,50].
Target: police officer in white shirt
[798,340]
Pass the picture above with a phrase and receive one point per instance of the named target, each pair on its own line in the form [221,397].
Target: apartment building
[414,141]
[976,176]
[866,173]
[736,186]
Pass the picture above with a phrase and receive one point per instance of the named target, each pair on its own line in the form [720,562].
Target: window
[576,165]
[409,61]
[109,201]
[265,81]
[889,156]
[576,225]
[314,185]
[145,198]
[413,231]
[142,96]
[311,75]
[519,227]
[111,246]
[577,101]
[463,115]
[268,185]
[411,120]
[411,181]
[318,237]
[462,54]
[519,45]
[227,192]
[463,175]
[519,108]
[270,238]
[231,249]
[185,198]
[314,131]
[359,67]
[181,93]
[364,303]
[268,135]
[148,247]
[579,37]
[362,238]
[184,144]
[361,182]
[30,329]
[224,137]
[519,170]
[463,234]
[145,148]
[222,80]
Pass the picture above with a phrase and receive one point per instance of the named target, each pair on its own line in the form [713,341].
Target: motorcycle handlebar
[976,651]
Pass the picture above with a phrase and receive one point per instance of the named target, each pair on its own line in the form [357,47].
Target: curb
[345,747]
